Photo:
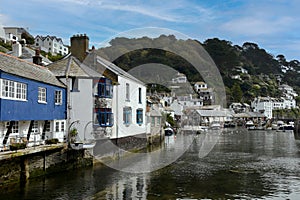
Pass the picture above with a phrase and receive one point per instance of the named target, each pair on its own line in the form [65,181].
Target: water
[240,164]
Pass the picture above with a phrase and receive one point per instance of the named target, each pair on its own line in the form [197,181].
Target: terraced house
[32,103]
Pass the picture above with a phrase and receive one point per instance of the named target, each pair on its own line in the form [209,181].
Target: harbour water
[234,163]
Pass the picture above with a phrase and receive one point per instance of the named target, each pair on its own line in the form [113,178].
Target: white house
[200,85]
[180,78]
[266,105]
[25,53]
[263,105]
[2,34]
[288,91]
[129,98]
[80,100]
[51,44]
[188,101]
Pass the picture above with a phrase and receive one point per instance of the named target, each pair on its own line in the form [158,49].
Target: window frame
[15,127]
[127,92]
[105,117]
[58,97]
[140,95]
[13,90]
[127,115]
[105,88]
[35,127]
[139,116]
[42,95]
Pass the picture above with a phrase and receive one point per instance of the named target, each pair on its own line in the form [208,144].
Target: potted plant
[73,133]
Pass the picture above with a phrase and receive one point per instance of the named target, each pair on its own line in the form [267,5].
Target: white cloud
[257,26]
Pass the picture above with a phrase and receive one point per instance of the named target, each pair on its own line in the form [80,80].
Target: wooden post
[24,175]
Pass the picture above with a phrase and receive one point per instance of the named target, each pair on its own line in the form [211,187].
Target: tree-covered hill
[263,69]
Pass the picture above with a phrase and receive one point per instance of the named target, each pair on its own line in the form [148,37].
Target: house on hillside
[32,103]
[180,78]
[154,120]
[51,44]
[15,34]
[204,92]
[25,53]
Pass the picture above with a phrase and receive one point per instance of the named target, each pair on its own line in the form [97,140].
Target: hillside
[263,69]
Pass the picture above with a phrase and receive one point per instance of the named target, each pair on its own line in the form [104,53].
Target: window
[62,126]
[13,90]
[158,120]
[139,116]
[56,126]
[140,95]
[35,127]
[58,97]
[127,114]
[127,92]
[37,44]
[105,117]
[42,95]
[105,88]
[15,127]
[47,126]
[152,121]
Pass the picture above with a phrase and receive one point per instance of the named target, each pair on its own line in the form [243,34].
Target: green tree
[236,92]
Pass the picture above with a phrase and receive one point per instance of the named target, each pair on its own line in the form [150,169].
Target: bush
[16,146]
[51,141]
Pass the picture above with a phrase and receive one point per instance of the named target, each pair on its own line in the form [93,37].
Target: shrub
[16,146]
[51,141]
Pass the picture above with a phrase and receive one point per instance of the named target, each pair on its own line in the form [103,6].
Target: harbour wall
[21,165]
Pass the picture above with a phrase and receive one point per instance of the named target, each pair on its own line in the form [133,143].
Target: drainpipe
[117,116]
[68,109]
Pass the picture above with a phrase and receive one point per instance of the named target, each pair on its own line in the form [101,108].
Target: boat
[215,126]
[275,125]
[89,144]
[250,125]
[169,131]
[286,127]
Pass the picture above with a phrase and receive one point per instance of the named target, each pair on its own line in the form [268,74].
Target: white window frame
[15,127]
[58,97]
[57,126]
[42,95]
[60,126]
[35,127]
[13,90]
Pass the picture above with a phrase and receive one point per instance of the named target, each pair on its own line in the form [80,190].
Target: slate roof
[103,65]
[213,113]
[27,54]
[72,67]
[19,67]
[48,36]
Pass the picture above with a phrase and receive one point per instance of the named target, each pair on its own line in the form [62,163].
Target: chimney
[17,49]
[37,59]
[79,46]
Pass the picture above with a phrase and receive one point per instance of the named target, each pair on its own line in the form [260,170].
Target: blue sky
[272,24]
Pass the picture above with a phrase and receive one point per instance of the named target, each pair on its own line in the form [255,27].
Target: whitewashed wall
[119,102]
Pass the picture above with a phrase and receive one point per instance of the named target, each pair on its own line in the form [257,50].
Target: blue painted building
[32,103]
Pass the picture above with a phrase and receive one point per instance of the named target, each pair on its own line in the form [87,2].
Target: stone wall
[20,168]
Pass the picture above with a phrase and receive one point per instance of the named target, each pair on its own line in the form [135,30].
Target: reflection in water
[240,164]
